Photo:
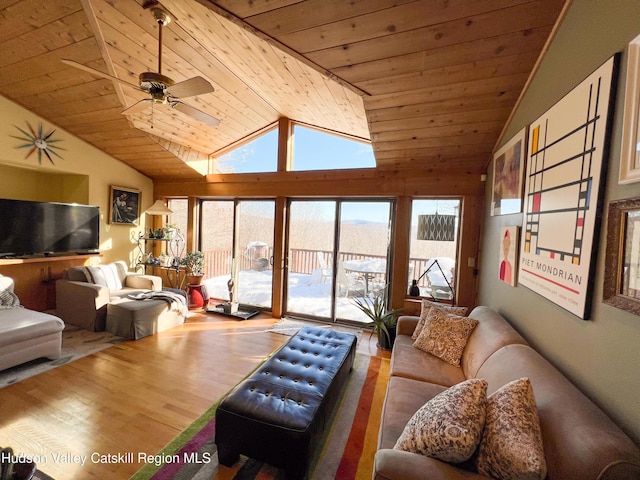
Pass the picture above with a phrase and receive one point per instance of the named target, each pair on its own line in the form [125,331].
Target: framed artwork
[622,261]
[508,252]
[124,206]
[630,152]
[565,174]
[508,169]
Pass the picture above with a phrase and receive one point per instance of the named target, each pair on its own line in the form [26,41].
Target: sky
[317,150]
[312,150]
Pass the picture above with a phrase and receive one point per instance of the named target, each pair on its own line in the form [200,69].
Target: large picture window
[434,246]
[317,150]
[258,155]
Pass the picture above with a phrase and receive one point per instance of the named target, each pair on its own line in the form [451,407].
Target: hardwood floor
[133,397]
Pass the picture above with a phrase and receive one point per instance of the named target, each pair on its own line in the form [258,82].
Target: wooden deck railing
[218,262]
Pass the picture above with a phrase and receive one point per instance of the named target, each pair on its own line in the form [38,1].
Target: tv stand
[35,277]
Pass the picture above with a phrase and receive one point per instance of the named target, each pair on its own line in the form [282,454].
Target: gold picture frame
[630,153]
[622,261]
[124,206]
[508,171]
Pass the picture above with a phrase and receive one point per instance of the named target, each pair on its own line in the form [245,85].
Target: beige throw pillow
[426,307]
[445,335]
[511,446]
[449,426]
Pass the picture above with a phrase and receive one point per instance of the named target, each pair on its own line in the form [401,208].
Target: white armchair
[83,293]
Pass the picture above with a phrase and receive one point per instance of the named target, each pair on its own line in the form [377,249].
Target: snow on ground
[306,294]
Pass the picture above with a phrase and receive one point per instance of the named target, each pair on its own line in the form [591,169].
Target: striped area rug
[346,451]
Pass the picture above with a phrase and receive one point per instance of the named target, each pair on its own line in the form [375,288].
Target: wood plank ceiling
[430,82]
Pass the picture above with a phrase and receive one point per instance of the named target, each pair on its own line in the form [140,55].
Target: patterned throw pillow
[511,446]
[445,335]
[449,426]
[8,299]
[426,307]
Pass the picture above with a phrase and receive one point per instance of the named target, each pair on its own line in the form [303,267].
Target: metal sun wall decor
[568,149]
[39,141]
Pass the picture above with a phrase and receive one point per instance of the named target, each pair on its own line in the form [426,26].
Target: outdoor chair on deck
[324,267]
[349,283]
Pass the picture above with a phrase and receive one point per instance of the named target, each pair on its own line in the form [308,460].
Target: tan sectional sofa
[580,441]
[83,301]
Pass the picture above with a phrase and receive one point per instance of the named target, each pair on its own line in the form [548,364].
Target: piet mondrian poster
[567,153]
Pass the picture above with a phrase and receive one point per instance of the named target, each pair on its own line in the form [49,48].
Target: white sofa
[83,293]
[25,334]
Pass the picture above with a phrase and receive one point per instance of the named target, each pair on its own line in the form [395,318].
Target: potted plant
[194,263]
[384,319]
[170,230]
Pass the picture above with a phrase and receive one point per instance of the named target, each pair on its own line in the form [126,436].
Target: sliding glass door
[336,250]
[363,254]
[254,252]
[237,240]
[310,240]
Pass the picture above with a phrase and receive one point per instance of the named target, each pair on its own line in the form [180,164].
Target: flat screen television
[34,228]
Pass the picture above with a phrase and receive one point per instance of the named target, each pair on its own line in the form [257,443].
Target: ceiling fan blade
[137,107]
[195,113]
[98,73]
[190,87]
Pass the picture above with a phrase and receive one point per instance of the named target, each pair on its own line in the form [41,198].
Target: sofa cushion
[104,275]
[449,426]
[511,446]
[404,398]
[492,333]
[21,324]
[426,308]
[580,441]
[409,362]
[445,335]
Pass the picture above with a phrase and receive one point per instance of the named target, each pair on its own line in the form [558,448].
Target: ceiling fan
[162,89]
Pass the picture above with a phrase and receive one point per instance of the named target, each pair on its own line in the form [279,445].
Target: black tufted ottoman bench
[279,413]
